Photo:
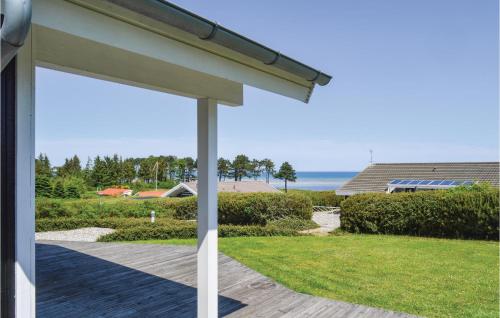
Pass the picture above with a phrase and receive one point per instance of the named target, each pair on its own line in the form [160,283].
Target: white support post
[207,209]
[25,183]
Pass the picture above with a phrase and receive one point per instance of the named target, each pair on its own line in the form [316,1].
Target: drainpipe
[15,24]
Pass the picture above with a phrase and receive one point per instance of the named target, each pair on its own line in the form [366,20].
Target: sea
[316,180]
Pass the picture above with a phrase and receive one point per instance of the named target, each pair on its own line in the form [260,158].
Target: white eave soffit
[99,21]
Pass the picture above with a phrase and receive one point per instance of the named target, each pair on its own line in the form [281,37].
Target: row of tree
[114,170]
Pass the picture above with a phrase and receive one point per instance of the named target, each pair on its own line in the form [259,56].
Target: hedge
[189,231]
[468,214]
[321,198]
[65,223]
[59,224]
[102,208]
[251,208]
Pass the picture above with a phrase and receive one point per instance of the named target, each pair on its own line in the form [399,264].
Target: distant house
[410,177]
[191,188]
[150,194]
[115,192]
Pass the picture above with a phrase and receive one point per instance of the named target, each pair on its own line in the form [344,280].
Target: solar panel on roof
[396,181]
[415,182]
[425,182]
[455,183]
[405,182]
[446,182]
[436,182]
[468,182]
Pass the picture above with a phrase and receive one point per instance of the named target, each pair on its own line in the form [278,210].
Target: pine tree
[58,190]
[128,170]
[72,192]
[98,175]
[256,168]
[223,166]
[42,166]
[286,173]
[70,168]
[42,186]
[181,169]
[268,168]
[87,172]
[240,167]
[190,168]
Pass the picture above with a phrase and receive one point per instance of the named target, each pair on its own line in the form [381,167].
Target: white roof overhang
[71,38]
[99,39]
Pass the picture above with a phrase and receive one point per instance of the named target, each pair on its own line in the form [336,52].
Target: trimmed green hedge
[189,231]
[64,223]
[321,198]
[251,208]
[459,213]
[103,208]
[172,227]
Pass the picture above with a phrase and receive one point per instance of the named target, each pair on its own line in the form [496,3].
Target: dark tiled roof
[375,177]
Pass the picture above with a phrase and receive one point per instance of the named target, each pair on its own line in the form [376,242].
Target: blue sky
[415,81]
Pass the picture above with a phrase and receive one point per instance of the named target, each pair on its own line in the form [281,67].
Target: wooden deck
[76,279]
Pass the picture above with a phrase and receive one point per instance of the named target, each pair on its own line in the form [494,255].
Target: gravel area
[87,234]
[327,221]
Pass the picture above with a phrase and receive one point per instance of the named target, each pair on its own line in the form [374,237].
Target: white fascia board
[98,27]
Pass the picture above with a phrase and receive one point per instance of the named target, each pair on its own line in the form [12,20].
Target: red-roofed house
[115,192]
[150,194]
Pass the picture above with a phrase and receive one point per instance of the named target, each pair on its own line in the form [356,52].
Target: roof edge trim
[171,14]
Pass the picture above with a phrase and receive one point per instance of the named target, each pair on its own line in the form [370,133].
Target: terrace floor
[80,279]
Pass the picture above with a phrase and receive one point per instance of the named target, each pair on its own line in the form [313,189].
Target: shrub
[43,188]
[294,224]
[58,190]
[143,186]
[64,223]
[189,231]
[321,198]
[97,208]
[251,208]
[458,213]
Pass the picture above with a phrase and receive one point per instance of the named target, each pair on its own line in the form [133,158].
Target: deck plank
[80,279]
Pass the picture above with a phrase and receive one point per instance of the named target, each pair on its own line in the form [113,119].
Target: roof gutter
[15,24]
[168,13]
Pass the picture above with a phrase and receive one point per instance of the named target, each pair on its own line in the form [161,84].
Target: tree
[147,169]
[171,166]
[223,167]
[286,173]
[268,168]
[128,170]
[71,167]
[256,168]
[43,187]
[240,167]
[98,175]
[42,166]
[58,190]
[72,192]
[190,168]
[112,170]
[87,172]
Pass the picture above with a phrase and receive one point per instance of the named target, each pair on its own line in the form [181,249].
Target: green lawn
[428,277]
